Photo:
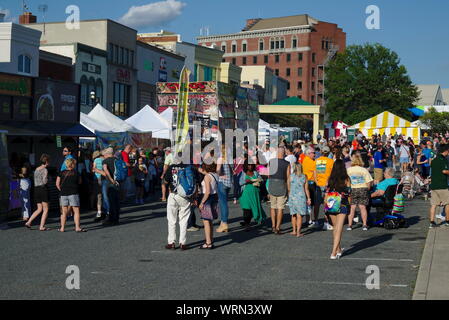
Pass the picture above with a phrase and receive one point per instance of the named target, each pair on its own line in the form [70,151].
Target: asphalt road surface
[129,261]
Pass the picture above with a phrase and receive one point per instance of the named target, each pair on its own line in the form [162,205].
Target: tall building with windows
[297,48]
[119,42]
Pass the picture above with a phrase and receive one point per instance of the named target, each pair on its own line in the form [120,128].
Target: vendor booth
[388,123]
[148,120]
[335,129]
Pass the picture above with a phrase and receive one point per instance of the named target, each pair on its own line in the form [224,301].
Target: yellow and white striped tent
[388,123]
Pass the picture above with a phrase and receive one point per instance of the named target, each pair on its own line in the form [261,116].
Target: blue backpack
[186,182]
[121,170]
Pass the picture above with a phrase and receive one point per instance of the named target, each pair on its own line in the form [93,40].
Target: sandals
[45,229]
[28,227]
[207,246]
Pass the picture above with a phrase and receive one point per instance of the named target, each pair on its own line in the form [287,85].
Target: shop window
[84,90]
[99,91]
[24,64]
[91,89]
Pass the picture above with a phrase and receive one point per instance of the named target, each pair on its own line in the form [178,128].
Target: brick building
[297,48]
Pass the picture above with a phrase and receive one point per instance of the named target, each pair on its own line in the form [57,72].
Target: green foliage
[366,80]
[438,122]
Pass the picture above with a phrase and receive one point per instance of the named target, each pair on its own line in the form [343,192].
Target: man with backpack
[182,182]
[116,172]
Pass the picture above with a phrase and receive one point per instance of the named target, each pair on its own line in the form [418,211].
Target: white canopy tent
[167,114]
[92,125]
[147,119]
[108,120]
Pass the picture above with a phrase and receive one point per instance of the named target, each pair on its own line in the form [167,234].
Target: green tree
[438,122]
[364,81]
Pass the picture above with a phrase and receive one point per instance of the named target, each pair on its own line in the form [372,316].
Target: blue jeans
[223,193]
[104,194]
[389,163]
[114,202]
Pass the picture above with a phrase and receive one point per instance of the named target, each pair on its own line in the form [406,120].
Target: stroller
[389,214]
[408,182]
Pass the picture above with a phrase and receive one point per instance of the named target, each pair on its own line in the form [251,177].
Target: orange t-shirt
[323,167]
[301,158]
[355,144]
[308,167]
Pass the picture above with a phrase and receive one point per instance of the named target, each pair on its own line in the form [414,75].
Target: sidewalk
[433,282]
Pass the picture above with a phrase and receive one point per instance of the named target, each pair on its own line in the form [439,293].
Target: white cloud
[7,13]
[153,14]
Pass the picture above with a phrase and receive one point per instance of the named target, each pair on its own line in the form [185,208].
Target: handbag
[332,202]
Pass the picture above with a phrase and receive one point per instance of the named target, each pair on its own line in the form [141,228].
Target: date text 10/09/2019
[226,310]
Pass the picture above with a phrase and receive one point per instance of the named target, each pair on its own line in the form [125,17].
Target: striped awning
[414,133]
[383,120]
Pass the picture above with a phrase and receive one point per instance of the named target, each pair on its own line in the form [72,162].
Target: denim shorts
[404,160]
[70,201]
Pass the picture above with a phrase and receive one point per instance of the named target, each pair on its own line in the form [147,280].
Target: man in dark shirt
[389,154]
[279,174]
[439,187]
[112,188]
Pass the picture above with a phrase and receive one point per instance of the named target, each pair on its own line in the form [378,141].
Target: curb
[422,282]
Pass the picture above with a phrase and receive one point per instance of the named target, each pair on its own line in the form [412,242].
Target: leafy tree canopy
[366,80]
[438,122]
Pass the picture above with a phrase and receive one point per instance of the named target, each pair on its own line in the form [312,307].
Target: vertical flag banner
[182,125]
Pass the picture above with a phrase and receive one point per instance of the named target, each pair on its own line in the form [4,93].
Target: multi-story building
[119,41]
[297,48]
[90,71]
[275,87]
[230,73]
[203,62]
[154,64]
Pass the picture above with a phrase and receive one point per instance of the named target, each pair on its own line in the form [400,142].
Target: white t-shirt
[404,151]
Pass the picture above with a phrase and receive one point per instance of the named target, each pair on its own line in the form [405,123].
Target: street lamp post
[92,98]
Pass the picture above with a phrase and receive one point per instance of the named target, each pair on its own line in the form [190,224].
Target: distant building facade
[296,48]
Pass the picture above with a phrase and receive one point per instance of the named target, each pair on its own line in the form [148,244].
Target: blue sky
[417,30]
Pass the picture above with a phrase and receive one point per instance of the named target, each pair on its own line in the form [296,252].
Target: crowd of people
[334,174]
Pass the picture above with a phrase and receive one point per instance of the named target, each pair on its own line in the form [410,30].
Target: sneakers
[311,223]
[445,224]
[349,229]
[327,227]
[365,228]
[193,229]
[432,225]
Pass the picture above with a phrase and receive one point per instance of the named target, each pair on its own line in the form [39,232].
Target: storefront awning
[44,128]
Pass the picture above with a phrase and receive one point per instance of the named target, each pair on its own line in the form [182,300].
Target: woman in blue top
[299,198]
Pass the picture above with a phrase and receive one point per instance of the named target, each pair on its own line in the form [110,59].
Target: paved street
[129,261]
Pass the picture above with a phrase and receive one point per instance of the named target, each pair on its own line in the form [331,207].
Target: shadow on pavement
[368,243]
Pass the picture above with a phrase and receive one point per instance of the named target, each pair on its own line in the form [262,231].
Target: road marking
[377,259]
[356,284]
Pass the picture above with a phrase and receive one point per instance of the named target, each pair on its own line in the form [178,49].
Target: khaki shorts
[378,174]
[278,202]
[439,197]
